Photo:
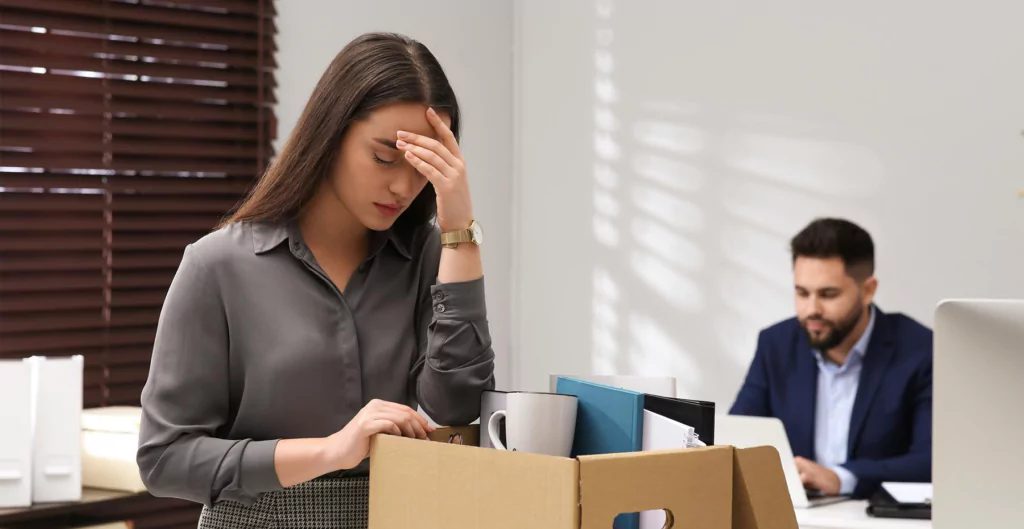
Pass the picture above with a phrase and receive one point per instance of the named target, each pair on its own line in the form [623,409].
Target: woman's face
[371,178]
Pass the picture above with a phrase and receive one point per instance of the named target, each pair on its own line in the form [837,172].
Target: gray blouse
[256,344]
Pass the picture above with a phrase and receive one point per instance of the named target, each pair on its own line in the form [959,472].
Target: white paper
[662,433]
[909,492]
[115,419]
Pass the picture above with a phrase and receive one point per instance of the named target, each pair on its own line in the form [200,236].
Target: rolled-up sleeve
[456,362]
[185,400]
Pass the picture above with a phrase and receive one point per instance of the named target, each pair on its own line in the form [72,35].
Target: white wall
[473,41]
[669,150]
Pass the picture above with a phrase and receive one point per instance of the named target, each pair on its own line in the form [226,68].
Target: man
[851,384]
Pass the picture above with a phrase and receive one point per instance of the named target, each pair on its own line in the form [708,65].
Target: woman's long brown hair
[374,70]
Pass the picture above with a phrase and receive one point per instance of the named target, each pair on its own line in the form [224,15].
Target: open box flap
[760,496]
[430,485]
[695,485]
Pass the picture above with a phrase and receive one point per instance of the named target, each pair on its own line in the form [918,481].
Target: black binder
[696,413]
[883,505]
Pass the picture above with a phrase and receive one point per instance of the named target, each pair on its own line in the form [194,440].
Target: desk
[90,498]
[851,515]
[98,506]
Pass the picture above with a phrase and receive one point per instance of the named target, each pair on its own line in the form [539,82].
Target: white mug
[490,402]
[539,423]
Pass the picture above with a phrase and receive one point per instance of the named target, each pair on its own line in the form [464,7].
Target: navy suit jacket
[891,425]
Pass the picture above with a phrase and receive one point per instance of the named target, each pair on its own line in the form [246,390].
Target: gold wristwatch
[473,234]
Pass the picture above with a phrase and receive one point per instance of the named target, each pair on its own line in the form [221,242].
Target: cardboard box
[438,485]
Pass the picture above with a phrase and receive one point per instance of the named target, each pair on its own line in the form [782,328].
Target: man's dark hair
[826,238]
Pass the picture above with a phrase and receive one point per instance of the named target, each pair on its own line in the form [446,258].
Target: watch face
[478,233]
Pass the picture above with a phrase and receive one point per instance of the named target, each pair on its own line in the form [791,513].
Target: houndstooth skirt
[321,503]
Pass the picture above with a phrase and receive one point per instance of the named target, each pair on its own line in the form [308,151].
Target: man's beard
[839,331]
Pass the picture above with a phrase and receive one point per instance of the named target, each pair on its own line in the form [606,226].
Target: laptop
[746,432]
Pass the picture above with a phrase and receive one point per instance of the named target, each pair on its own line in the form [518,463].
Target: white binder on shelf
[16,440]
[56,453]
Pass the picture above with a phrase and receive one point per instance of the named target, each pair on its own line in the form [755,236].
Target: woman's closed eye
[382,161]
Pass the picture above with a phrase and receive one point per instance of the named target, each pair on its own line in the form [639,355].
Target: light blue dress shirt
[837,389]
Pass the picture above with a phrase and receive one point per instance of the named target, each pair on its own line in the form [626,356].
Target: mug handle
[492,429]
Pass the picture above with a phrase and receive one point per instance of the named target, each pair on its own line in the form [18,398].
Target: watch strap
[454,238]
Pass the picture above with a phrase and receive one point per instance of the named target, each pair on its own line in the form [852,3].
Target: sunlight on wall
[748,295]
[782,211]
[828,167]
[606,322]
[642,180]
[660,241]
[759,253]
[663,280]
[607,208]
[672,137]
[668,208]
[665,171]
[654,352]
[606,205]
[692,284]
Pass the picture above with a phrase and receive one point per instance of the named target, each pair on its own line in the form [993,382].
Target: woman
[325,309]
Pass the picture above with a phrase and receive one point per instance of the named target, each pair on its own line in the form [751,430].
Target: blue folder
[608,421]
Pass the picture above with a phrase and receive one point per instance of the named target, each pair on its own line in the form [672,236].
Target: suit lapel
[805,395]
[881,349]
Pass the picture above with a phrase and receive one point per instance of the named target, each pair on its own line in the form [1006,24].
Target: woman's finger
[444,132]
[433,175]
[403,421]
[430,144]
[384,426]
[377,406]
[428,156]
[418,429]
[411,427]
[421,420]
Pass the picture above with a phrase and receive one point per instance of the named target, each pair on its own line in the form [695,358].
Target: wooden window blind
[128,128]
